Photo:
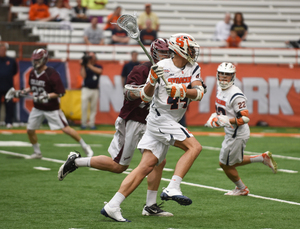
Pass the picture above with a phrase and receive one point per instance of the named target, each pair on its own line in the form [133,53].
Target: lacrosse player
[232,114]
[169,103]
[46,87]
[130,127]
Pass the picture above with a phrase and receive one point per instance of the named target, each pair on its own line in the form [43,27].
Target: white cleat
[113,213]
[269,161]
[35,156]
[155,210]
[176,195]
[88,151]
[238,192]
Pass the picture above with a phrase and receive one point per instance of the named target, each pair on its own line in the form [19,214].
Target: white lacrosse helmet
[226,69]
[185,46]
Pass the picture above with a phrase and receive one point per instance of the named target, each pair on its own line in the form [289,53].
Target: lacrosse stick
[128,22]
[11,94]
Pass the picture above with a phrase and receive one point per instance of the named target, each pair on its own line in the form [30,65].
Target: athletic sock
[175,182]
[36,148]
[83,162]
[151,197]
[116,200]
[240,184]
[258,158]
[82,143]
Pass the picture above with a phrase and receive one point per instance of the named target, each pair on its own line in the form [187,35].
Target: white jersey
[164,107]
[229,102]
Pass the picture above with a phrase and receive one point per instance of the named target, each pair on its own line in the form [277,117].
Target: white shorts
[159,137]
[232,151]
[125,140]
[56,119]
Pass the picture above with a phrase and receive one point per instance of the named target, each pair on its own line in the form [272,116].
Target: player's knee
[146,169]
[197,148]
[120,168]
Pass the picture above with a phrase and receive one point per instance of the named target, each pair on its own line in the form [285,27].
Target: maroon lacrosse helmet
[39,58]
[160,49]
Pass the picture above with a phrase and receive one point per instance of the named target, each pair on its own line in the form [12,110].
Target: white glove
[223,121]
[209,122]
[43,98]
[20,93]
[176,90]
[156,73]
[216,121]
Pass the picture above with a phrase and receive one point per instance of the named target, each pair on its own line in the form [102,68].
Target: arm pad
[145,97]
[242,117]
[200,92]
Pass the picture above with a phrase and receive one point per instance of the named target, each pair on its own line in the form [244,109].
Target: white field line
[279,170]
[164,179]
[254,153]
[42,168]
[74,145]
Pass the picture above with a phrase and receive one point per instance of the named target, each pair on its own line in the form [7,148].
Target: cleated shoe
[113,213]
[238,192]
[35,156]
[269,161]
[172,194]
[69,166]
[155,210]
[88,151]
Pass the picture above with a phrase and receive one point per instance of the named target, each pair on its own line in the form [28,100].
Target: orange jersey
[233,42]
[38,12]
[114,20]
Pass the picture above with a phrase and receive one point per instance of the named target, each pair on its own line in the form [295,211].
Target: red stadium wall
[273,92]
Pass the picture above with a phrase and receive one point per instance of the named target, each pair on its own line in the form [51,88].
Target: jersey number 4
[176,101]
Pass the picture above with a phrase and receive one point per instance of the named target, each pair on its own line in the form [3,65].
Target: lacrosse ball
[130,25]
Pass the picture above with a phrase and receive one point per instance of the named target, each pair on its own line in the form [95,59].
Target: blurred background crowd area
[270,24]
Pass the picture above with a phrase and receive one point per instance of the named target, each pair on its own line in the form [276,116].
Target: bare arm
[95,69]
[101,42]
[244,36]
[82,72]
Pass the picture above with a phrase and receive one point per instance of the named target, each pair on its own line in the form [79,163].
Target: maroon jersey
[49,81]
[136,110]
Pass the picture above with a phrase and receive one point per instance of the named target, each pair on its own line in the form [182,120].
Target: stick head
[129,24]
[10,94]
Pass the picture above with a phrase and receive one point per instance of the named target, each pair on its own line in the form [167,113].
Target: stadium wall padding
[273,92]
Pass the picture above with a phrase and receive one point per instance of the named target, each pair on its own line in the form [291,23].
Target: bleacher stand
[270,24]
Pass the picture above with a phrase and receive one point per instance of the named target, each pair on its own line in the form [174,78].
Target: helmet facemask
[39,58]
[160,49]
[224,71]
[37,63]
[224,84]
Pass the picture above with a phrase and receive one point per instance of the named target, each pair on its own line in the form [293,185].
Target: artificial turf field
[32,198]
